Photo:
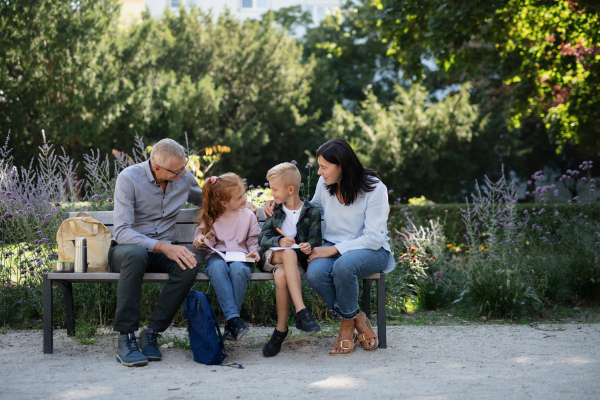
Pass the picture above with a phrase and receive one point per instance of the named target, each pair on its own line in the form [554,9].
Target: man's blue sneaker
[149,344]
[128,352]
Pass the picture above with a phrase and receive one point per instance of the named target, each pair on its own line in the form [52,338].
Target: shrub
[532,253]
[438,289]
[499,289]
[584,268]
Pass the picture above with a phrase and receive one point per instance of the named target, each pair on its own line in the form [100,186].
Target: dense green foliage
[57,73]
[540,58]
[71,71]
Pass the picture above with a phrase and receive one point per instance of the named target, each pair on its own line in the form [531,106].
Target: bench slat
[185,216]
[184,233]
[110,277]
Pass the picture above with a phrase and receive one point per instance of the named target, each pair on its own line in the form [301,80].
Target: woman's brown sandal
[364,337]
[346,345]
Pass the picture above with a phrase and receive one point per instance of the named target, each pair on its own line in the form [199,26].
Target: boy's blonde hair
[287,173]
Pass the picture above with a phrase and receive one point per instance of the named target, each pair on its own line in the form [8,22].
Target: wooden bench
[184,234]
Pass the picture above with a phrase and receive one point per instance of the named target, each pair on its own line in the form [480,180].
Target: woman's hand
[268,208]
[254,254]
[322,252]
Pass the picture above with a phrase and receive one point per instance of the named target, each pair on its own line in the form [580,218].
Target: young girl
[227,225]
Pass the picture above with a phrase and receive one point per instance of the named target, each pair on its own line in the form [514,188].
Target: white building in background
[242,9]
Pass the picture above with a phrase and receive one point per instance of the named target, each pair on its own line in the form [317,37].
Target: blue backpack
[205,336]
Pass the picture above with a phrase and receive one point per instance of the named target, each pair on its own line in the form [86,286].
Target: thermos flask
[80,254]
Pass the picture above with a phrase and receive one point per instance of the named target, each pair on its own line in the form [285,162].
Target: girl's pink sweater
[235,230]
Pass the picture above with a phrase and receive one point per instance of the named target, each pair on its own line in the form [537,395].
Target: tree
[56,72]
[540,57]
[69,69]
[351,58]
[262,82]
[418,146]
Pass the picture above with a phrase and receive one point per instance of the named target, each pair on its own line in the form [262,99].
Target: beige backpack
[98,241]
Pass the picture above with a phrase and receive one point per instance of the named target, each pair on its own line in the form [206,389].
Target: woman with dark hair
[354,205]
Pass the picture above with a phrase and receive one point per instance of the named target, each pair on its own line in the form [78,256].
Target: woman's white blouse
[361,225]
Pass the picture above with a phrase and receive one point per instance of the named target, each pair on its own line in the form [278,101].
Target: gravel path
[421,362]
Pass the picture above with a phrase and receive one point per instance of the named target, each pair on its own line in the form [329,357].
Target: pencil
[280,231]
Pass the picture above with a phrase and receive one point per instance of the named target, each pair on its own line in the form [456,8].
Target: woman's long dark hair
[355,178]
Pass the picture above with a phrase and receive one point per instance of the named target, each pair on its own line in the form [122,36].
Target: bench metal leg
[366,300]
[47,317]
[381,320]
[67,289]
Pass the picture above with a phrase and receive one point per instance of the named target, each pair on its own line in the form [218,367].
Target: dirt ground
[420,362]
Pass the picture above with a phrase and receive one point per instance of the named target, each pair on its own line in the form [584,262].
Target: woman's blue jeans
[230,281]
[335,279]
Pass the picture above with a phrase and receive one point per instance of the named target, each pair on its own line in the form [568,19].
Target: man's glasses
[173,172]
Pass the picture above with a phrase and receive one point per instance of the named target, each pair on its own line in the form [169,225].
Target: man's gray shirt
[143,213]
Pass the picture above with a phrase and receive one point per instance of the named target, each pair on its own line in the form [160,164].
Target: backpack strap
[233,365]
[74,228]
[221,341]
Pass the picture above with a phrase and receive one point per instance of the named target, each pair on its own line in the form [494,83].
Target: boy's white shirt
[291,220]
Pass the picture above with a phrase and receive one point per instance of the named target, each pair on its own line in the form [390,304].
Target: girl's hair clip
[213,179]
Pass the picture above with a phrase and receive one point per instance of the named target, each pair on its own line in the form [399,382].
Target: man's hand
[180,254]
[286,241]
[305,248]
[322,252]
[254,254]
[269,207]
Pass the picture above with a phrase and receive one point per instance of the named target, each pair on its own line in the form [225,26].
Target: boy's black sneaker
[273,346]
[128,352]
[149,344]
[305,322]
[234,329]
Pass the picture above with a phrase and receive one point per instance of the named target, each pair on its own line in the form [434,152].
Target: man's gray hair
[165,151]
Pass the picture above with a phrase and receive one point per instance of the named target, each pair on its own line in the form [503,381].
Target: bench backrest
[184,228]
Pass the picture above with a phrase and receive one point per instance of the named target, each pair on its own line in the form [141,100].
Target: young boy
[294,221]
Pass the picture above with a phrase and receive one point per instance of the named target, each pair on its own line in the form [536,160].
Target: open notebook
[231,256]
[294,246]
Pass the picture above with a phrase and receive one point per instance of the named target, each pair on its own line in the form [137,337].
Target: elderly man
[148,197]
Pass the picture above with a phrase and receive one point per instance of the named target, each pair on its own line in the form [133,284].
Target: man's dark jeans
[132,262]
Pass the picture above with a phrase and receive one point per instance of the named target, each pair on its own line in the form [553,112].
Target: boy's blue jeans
[335,279]
[230,281]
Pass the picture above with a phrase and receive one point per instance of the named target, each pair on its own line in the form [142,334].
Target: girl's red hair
[223,188]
